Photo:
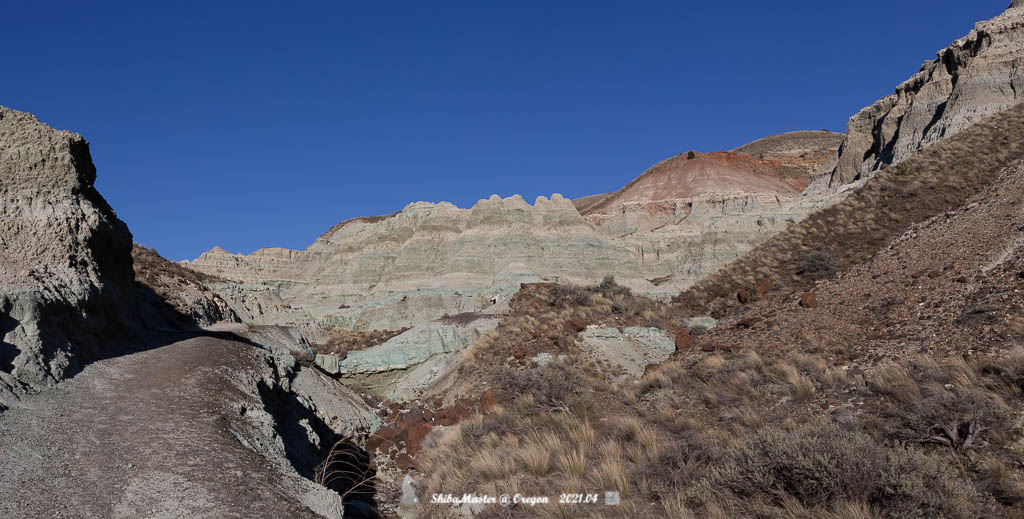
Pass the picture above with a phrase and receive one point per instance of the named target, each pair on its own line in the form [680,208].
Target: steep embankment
[66,281]
[934,181]
[172,296]
[203,427]
[943,286]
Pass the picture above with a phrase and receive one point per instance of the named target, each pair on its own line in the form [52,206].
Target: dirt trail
[143,435]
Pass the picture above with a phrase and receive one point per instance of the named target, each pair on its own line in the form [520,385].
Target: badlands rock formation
[676,222]
[66,281]
[683,218]
[424,262]
[978,75]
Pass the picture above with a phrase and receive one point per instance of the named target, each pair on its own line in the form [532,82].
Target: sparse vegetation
[765,432]
[935,180]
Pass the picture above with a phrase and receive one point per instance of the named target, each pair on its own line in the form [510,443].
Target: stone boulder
[632,349]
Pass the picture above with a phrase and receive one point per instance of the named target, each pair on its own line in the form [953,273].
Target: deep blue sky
[263,123]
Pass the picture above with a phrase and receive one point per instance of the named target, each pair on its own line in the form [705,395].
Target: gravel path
[143,435]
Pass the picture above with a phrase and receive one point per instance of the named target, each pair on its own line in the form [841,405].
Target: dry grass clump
[800,386]
[821,467]
[754,440]
[945,403]
[555,386]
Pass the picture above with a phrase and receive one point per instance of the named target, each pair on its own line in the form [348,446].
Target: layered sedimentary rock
[682,218]
[66,281]
[802,151]
[692,213]
[977,75]
[426,261]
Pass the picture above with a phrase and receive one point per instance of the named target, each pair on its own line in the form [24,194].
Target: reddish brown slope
[950,285]
[681,177]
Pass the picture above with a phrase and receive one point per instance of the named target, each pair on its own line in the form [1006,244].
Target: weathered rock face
[678,221]
[631,349]
[424,262]
[805,152]
[689,215]
[978,75]
[66,281]
[404,366]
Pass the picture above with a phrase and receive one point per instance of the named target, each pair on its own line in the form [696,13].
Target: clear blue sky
[258,124]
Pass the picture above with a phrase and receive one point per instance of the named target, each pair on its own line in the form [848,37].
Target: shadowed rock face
[976,76]
[66,281]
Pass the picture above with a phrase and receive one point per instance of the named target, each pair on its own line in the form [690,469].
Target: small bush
[817,263]
[569,296]
[552,386]
[959,418]
[824,465]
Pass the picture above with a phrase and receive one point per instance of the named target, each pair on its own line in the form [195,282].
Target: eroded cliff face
[422,263]
[978,75]
[678,221]
[66,281]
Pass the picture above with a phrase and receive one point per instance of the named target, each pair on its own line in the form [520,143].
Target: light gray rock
[66,281]
[701,323]
[414,347]
[632,348]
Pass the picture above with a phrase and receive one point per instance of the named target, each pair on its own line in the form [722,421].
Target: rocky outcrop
[66,281]
[404,366]
[630,349]
[172,296]
[978,75]
[420,264]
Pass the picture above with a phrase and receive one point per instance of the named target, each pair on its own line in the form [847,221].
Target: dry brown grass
[766,432]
